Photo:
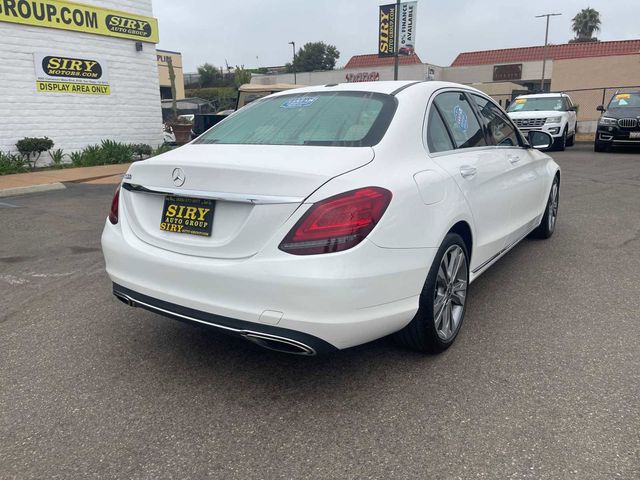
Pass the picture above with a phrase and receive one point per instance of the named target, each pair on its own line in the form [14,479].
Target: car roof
[387,87]
[543,95]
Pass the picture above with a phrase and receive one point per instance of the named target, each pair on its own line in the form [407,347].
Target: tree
[315,56]
[585,24]
[209,75]
[241,76]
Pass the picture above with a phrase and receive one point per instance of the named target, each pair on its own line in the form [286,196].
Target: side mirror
[600,108]
[573,109]
[539,140]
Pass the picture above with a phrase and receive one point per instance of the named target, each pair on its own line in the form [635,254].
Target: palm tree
[585,24]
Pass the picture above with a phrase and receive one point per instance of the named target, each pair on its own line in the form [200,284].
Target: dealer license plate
[193,216]
[634,134]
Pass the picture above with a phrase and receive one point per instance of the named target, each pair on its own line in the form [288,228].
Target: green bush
[32,147]
[11,163]
[57,157]
[223,97]
[141,150]
[114,152]
[162,148]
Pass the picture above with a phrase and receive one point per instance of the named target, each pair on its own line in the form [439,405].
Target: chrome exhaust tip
[124,299]
[279,344]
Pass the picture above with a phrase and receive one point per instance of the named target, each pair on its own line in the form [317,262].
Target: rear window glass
[313,118]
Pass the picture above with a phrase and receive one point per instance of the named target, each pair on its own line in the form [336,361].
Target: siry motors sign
[67,74]
[66,15]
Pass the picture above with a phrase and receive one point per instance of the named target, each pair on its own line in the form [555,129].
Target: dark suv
[619,123]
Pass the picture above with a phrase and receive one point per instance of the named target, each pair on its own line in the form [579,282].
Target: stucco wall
[131,113]
[594,73]
[405,72]
[163,71]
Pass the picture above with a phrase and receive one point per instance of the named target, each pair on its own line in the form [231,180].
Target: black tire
[421,334]
[560,144]
[547,227]
[571,141]
[601,147]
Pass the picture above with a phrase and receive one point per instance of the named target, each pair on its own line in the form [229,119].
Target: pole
[546,43]
[396,63]
[293,65]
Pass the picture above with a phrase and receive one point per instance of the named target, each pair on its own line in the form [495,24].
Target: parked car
[619,123]
[406,49]
[553,113]
[330,216]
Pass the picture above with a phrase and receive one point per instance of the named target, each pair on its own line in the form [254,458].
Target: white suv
[553,113]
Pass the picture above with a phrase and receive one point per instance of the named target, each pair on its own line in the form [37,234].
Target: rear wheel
[548,224]
[442,301]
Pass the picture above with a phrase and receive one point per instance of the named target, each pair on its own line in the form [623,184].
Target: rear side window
[438,138]
[501,130]
[462,122]
[351,119]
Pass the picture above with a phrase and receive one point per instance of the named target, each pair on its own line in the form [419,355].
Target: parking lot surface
[543,381]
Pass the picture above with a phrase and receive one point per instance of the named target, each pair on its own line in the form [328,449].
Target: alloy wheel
[450,292]
[553,206]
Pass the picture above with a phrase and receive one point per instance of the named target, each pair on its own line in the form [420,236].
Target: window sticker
[299,102]
[521,100]
[620,96]
[622,102]
[460,118]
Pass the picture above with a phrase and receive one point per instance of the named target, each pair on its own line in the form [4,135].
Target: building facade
[79,73]
[589,72]
[163,57]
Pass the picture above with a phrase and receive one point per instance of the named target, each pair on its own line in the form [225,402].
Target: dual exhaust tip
[265,340]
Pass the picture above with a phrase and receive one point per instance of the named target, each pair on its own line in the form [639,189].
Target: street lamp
[293,65]
[546,39]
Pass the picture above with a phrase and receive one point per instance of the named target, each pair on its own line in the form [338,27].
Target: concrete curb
[47,187]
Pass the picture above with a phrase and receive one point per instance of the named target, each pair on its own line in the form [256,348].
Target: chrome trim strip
[502,252]
[247,334]
[223,196]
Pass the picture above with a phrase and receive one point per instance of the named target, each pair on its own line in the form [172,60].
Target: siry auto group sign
[63,74]
[80,18]
[397,29]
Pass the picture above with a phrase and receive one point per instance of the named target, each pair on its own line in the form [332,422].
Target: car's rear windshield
[349,119]
[536,104]
[625,100]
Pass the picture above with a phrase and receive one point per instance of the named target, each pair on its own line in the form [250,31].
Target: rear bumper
[343,299]
[274,338]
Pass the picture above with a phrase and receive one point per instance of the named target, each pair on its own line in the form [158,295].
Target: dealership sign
[397,29]
[80,18]
[68,74]
[362,77]
[407,23]
[507,72]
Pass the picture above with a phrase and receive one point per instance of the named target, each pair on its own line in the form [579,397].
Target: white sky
[241,30]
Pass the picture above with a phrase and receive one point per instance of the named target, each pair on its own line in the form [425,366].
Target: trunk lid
[255,189]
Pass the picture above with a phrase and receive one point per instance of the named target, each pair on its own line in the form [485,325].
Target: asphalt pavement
[542,383]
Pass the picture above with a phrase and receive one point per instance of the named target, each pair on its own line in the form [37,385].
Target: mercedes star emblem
[178,177]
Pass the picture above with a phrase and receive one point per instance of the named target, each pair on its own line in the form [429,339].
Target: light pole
[293,65]
[546,40]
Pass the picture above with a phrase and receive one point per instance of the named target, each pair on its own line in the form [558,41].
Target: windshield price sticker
[521,100]
[461,118]
[623,95]
[299,102]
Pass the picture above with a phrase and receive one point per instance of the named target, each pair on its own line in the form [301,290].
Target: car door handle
[514,159]
[467,171]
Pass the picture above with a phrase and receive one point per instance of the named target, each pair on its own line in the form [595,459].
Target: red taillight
[337,223]
[113,215]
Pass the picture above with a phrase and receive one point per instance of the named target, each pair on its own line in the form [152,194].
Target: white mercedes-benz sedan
[325,217]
